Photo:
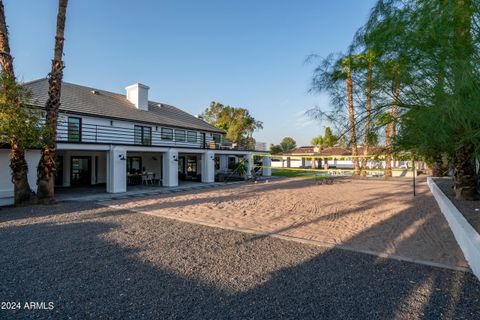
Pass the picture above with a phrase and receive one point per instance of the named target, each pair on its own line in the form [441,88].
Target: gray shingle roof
[81,100]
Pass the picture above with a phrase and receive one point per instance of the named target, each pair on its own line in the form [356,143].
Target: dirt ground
[381,217]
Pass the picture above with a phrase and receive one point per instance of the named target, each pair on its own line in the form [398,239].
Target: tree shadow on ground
[236,192]
[417,232]
[11,214]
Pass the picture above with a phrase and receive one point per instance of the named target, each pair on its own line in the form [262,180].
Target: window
[143,135]
[191,136]
[191,166]
[74,129]
[217,138]
[134,164]
[180,135]
[167,134]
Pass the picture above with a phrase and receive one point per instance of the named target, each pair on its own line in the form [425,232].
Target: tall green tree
[16,123]
[317,141]
[335,76]
[288,143]
[275,149]
[46,169]
[327,140]
[367,61]
[238,123]
[435,91]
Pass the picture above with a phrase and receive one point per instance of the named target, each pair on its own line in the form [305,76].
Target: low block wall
[467,238]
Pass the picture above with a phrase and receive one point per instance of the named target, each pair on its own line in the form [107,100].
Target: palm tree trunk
[388,153]
[438,168]
[391,131]
[6,59]
[368,112]
[46,167]
[18,164]
[351,113]
[464,157]
[464,174]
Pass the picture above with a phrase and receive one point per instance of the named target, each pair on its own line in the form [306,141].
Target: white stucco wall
[138,95]
[208,167]
[6,185]
[467,237]
[108,127]
[266,162]
[170,168]
[117,170]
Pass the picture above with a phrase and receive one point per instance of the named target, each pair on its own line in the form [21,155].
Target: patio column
[66,170]
[249,161]
[288,162]
[170,168]
[303,162]
[117,170]
[223,162]
[266,162]
[208,167]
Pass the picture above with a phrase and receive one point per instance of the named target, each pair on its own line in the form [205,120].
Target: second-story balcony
[75,131]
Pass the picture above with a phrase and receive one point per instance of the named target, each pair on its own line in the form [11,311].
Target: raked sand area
[96,261]
[367,215]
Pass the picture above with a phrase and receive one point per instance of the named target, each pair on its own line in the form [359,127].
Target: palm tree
[330,76]
[46,167]
[368,59]
[347,65]
[391,129]
[465,85]
[18,164]
[317,141]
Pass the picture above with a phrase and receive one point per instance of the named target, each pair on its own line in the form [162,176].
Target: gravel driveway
[96,262]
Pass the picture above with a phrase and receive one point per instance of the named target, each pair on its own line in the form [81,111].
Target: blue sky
[248,53]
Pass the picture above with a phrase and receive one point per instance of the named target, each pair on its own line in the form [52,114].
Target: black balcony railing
[152,136]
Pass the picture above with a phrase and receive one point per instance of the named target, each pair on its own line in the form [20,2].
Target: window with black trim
[74,129]
[217,138]
[180,135]
[167,134]
[191,136]
[134,164]
[143,135]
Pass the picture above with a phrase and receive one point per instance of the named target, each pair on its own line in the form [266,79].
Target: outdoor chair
[147,178]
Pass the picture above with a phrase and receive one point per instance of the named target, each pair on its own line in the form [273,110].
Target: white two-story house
[118,140]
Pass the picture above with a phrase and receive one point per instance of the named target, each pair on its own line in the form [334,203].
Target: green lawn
[292,173]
